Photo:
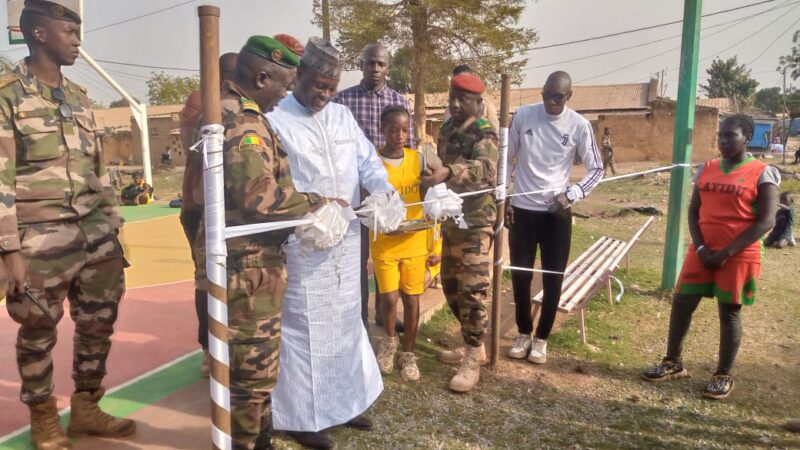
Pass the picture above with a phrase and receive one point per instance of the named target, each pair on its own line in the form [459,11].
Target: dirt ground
[592,396]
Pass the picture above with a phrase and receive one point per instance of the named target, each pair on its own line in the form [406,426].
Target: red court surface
[156,325]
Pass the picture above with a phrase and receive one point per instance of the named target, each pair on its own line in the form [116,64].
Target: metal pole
[139,114]
[502,171]
[785,137]
[326,20]
[219,382]
[682,145]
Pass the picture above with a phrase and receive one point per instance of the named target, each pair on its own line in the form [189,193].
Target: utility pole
[785,137]
[682,145]
[326,20]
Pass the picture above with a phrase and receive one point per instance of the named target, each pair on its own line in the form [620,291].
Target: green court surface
[133,397]
[145,212]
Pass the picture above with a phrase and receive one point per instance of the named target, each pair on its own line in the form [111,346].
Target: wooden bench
[589,273]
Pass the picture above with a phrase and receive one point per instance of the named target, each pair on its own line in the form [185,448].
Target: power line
[119,63]
[655,41]
[140,17]
[650,27]
[742,20]
[773,42]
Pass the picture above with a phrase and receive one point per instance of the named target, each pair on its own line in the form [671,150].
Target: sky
[757,35]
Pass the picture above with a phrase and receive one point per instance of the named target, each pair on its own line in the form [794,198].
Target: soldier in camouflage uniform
[258,188]
[58,228]
[468,147]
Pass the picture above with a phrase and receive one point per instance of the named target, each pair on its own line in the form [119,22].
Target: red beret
[291,43]
[467,82]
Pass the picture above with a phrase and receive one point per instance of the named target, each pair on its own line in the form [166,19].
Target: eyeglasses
[60,97]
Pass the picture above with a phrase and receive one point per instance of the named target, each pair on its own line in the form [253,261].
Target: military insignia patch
[251,140]
[277,55]
[57,11]
[250,105]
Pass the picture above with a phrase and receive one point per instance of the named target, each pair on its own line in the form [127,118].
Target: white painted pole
[139,113]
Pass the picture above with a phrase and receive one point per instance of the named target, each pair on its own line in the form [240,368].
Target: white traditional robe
[328,372]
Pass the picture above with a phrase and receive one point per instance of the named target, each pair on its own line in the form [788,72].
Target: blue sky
[170,38]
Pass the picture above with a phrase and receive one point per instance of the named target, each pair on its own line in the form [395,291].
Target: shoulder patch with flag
[250,141]
[250,105]
[483,124]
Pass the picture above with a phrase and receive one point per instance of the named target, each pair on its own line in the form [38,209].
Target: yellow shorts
[406,275]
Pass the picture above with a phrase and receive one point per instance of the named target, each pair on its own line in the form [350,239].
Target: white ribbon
[325,227]
[382,212]
[441,204]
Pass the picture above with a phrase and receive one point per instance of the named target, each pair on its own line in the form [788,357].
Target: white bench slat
[584,259]
[588,271]
[603,272]
[586,275]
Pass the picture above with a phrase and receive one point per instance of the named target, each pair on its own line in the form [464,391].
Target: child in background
[781,234]
[400,258]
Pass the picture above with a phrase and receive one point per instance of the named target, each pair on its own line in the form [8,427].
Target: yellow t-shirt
[405,179]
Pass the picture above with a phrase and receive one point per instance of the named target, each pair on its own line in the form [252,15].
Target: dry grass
[595,399]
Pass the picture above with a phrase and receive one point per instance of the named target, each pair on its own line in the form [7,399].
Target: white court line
[64,411]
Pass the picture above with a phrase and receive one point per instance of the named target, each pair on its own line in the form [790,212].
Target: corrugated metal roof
[632,96]
[724,105]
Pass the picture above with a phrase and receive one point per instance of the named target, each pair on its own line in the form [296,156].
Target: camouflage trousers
[255,295]
[83,262]
[466,272]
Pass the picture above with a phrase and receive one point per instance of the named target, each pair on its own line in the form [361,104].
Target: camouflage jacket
[51,165]
[258,185]
[470,151]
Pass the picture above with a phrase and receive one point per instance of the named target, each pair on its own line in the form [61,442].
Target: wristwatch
[571,196]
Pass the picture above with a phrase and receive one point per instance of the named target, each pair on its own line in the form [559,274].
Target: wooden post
[610,292]
[499,224]
[214,205]
[209,64]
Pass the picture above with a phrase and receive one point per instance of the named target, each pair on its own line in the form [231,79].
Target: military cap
[321,56]
[291,43]
[467,82]
[52,10]
[272,50]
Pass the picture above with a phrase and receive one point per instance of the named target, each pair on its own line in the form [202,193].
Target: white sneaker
[521,347]
[538,353]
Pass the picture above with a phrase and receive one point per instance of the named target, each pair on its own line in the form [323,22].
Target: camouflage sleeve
[108,201]
[480,172]
[9,238]
[257,178]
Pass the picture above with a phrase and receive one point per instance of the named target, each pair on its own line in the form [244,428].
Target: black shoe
[320,439]
[719,387]
[667,370]
[361,422]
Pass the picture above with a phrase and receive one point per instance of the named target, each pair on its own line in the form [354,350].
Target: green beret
[52,10]
[272,50]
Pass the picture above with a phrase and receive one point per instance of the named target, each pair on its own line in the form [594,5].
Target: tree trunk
[419,27]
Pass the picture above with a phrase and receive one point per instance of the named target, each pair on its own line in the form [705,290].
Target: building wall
[161,140]
[120,147]
[125,145]
[649,136]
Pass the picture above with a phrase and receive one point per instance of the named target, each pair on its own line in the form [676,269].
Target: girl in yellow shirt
[400,258]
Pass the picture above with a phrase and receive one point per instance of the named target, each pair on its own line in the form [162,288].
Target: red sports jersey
[728,204]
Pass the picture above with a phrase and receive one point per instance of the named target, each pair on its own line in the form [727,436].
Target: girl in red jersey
[732,206]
